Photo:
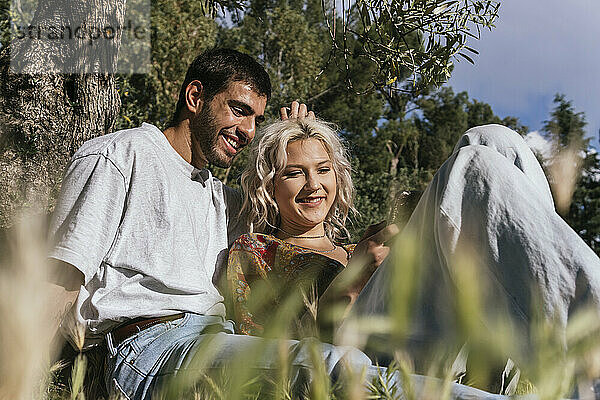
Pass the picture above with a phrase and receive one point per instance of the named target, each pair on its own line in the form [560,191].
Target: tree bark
[45,115]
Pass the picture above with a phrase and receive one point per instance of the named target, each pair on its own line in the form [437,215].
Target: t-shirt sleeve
[87,215]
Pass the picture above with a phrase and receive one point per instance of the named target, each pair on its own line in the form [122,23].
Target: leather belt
[137,325]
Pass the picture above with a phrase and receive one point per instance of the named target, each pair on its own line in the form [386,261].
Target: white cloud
[539,144]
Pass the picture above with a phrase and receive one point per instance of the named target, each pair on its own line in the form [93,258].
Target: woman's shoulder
[257,249]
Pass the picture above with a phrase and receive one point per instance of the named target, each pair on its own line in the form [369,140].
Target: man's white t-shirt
[148,231]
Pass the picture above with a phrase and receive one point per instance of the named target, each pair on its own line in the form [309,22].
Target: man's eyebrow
[247,109]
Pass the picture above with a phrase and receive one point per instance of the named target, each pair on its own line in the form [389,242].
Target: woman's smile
[306,188]
[311,201]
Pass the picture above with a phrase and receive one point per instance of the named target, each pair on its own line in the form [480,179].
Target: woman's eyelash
[293,173]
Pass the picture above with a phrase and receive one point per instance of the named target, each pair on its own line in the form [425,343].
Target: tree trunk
[46,114]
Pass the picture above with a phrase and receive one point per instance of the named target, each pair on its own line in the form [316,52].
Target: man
[132,201]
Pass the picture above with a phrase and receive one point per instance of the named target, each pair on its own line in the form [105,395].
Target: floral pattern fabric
[263,271]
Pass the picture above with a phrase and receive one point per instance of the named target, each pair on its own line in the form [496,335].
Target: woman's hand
[369,253]
[296,110]
[367,256]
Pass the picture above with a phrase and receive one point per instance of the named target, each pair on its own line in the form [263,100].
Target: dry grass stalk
[25,337]
[564,169]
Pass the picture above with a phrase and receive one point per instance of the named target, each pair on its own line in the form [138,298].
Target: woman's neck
[301,232]
[316,240]
[313,237]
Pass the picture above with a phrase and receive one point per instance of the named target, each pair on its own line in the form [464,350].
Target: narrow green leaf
[466,57]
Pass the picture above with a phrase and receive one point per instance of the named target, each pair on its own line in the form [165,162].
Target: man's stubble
[205,131]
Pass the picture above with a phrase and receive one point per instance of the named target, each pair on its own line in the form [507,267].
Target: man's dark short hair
[216,69]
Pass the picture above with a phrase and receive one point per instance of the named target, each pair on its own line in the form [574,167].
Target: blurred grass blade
[78,377]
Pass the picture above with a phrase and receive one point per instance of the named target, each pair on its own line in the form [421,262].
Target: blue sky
[538,48]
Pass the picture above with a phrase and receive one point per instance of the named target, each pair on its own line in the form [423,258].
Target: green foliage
[152,97]
[372,191]
[388,30]
[410,37]
[5,18]
[565,126]
[403,152]
[565,129]
[583,214]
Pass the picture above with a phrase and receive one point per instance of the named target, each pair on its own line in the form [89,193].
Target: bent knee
[508,144]
[498,137]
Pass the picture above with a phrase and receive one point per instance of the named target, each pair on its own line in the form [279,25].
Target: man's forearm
[62,289]
[60,303]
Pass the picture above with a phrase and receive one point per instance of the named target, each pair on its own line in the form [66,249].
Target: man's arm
[62,288]
[82,230]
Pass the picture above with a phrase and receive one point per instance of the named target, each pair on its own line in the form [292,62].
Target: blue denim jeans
[142,364]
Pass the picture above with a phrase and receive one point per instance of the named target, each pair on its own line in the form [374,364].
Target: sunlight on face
[306,188]
[226,124]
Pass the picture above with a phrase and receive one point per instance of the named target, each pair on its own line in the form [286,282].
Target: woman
[298,193]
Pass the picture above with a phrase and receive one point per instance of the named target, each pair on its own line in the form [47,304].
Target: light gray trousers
[490,200]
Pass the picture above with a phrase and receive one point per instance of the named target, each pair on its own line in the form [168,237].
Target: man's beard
[204,130]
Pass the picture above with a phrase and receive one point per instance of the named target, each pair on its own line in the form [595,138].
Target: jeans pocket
[137,357]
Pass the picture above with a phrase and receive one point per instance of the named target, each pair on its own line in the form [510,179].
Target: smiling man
[214,128]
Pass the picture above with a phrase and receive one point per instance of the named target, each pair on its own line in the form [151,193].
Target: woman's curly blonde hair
[268,159]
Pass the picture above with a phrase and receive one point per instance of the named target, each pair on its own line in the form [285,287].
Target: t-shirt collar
[201,175]
[195,174]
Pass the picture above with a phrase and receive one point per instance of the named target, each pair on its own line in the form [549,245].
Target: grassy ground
[553,364]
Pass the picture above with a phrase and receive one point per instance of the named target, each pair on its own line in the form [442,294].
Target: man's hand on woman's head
[296,110]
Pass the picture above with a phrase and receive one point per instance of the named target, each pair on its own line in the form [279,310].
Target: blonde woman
[297,197]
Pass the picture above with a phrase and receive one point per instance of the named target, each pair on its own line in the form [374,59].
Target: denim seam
[120,389]
[170,325]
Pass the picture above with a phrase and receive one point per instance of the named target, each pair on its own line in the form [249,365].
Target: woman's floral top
[269,278]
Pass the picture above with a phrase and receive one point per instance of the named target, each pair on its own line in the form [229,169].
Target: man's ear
[193,96]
